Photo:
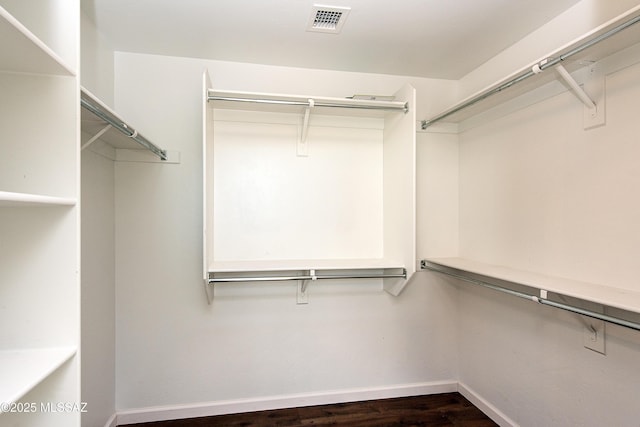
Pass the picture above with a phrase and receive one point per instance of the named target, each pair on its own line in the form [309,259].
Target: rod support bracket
[209,289]
[302,149]
[305,283]
[577,90]
[95,137]
[594,85]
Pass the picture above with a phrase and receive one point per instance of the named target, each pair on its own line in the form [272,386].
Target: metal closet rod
[126,130]
[537,68]
[310,103]
[615,320]
[310,276]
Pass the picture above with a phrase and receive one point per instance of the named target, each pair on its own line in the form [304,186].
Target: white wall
[438,194]
[96,61]
[172,347]
[540,193]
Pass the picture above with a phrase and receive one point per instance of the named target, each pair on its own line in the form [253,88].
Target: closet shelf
[21,51]
[269,270]
[605,40]
[296,103]
[283,272]
[100,121]
[304,264]
[376,204]
[23,370]
[301,270]
[512,281]
[9,199]
[274,275]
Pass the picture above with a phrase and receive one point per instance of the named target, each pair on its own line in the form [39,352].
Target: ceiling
[425,38]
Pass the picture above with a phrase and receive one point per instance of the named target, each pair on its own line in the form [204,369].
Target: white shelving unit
[39,212]
[608,49]
[295,184]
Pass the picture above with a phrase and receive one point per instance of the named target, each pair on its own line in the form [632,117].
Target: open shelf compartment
[343,205]
[21,51]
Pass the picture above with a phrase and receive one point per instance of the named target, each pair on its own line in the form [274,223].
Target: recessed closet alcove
[215,227]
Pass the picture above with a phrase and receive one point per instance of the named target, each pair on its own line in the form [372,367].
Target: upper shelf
[21,51]
[98,120]
[357,105]
[605,40]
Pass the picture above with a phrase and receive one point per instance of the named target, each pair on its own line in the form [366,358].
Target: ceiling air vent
[327,19]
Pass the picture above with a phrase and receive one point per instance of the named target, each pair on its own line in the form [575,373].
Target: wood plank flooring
[448,409]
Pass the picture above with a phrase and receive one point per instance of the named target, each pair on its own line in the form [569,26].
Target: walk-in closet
[211,209]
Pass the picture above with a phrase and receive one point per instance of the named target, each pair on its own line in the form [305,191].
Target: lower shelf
[22,370]
[509,280]
[302,271]
[308,274]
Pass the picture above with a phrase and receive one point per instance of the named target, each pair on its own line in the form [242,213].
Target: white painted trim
[491,411]
[112,421]
[170,412]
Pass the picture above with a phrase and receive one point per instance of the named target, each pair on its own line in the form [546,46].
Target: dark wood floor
[449,409]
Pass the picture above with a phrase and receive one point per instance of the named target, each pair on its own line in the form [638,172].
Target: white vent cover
[327,19]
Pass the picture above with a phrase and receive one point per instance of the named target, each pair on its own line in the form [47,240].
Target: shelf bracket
[591,94]
[302,148]
[577,90]
[594,85]
[208,287]
[95,137]
[302,296]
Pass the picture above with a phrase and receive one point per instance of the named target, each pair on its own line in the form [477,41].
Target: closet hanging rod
[122,127]
[236,279]
[314,103]
[458,274]
[537,68]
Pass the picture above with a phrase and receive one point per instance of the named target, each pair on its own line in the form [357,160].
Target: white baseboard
[112,422]
[491,411]
[172,412]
